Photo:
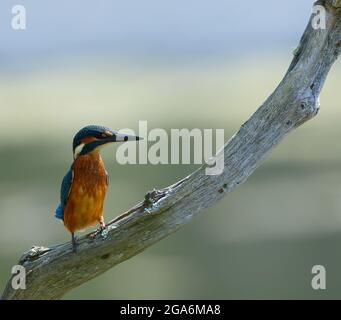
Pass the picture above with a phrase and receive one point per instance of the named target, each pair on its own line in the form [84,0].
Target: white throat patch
[78,150]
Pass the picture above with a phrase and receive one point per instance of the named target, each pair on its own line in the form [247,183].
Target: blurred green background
[260,242]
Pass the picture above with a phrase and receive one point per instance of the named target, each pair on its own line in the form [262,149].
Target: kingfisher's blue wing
[64,194]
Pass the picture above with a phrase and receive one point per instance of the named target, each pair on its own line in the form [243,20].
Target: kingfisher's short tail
[59,213]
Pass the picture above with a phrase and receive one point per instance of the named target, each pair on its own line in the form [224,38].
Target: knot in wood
[308,108]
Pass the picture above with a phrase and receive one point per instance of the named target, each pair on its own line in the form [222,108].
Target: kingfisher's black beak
[121,137]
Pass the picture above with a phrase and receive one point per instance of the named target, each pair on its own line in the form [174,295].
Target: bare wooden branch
[51,272]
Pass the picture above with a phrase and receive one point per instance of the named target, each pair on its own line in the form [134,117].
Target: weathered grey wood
[51,272]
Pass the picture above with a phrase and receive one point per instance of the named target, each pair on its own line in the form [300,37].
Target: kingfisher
[85,185]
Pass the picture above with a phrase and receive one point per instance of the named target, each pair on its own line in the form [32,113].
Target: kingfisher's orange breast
[84,206]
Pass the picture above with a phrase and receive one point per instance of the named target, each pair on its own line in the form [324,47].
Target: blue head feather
[88,131]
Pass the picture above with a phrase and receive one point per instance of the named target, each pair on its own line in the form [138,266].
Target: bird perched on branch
[85,185]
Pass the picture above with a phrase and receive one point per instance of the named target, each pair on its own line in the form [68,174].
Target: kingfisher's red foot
[102,225]
[103,231]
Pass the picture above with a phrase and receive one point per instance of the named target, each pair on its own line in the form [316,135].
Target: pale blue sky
[150,28]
